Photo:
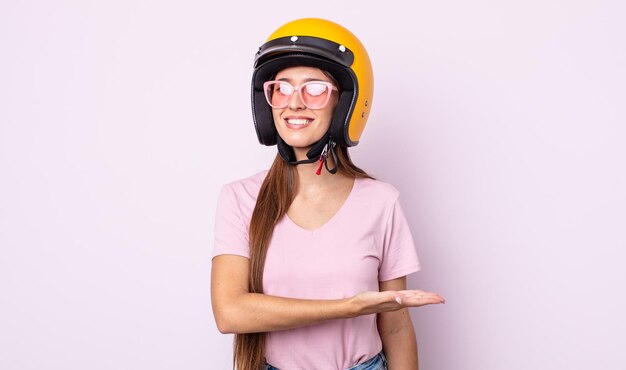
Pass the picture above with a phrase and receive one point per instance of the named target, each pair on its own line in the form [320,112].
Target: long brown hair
[275,196]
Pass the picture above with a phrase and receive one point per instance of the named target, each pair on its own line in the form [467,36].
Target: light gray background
[501,122]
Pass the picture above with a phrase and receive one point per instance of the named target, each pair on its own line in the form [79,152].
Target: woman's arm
[397,333]
[236,310]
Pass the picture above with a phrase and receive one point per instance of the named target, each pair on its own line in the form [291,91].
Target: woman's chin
[299,143]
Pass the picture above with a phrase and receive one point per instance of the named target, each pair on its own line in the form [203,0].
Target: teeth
[298,121]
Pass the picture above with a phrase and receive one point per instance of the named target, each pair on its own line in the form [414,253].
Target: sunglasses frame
[298,89]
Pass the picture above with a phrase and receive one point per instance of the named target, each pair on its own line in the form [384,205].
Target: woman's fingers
[412,296]
[419,297]
[415,292]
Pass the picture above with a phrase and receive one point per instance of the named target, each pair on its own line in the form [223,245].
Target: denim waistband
[378,362]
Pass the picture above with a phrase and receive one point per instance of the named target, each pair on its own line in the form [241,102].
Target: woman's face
[298,125]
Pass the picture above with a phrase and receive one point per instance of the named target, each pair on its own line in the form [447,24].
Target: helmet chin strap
[318,152]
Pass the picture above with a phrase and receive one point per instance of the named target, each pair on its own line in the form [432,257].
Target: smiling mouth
[298,122]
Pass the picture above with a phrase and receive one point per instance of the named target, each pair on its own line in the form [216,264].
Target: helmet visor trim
[307,44]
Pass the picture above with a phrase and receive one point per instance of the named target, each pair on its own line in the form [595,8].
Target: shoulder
[373,199]
[235,205]
[242,194]
[374,189]
[248,186]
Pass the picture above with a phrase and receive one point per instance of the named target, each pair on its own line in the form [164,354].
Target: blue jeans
[378,362]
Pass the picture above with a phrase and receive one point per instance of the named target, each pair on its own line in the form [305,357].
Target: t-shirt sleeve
[231,232]
[399,254]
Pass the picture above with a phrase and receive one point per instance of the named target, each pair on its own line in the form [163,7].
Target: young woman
[311,256]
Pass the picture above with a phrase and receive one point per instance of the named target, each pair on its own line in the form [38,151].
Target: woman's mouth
[298,123]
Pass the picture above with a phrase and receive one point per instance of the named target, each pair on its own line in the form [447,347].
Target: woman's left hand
[390,300]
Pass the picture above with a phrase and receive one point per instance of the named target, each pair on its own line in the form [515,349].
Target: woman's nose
[296,103]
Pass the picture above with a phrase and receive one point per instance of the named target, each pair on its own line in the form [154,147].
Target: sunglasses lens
[278,93]
[315,94]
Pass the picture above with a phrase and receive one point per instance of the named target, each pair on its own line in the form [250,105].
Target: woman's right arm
[236,310]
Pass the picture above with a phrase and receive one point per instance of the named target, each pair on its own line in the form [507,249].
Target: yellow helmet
[326,45]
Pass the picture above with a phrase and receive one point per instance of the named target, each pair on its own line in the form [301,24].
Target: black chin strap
[318,152]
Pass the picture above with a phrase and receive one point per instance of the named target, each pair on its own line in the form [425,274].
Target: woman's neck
[308,179]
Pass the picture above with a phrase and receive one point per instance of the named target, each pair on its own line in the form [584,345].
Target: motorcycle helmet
[324,44]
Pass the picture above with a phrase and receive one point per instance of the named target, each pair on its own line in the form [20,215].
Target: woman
[311,256]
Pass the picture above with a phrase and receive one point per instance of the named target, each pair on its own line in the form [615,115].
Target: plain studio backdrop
[502,123]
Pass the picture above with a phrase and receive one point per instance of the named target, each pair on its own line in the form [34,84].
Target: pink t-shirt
[368,240]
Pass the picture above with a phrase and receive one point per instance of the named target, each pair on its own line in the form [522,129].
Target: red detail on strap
[319,169]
